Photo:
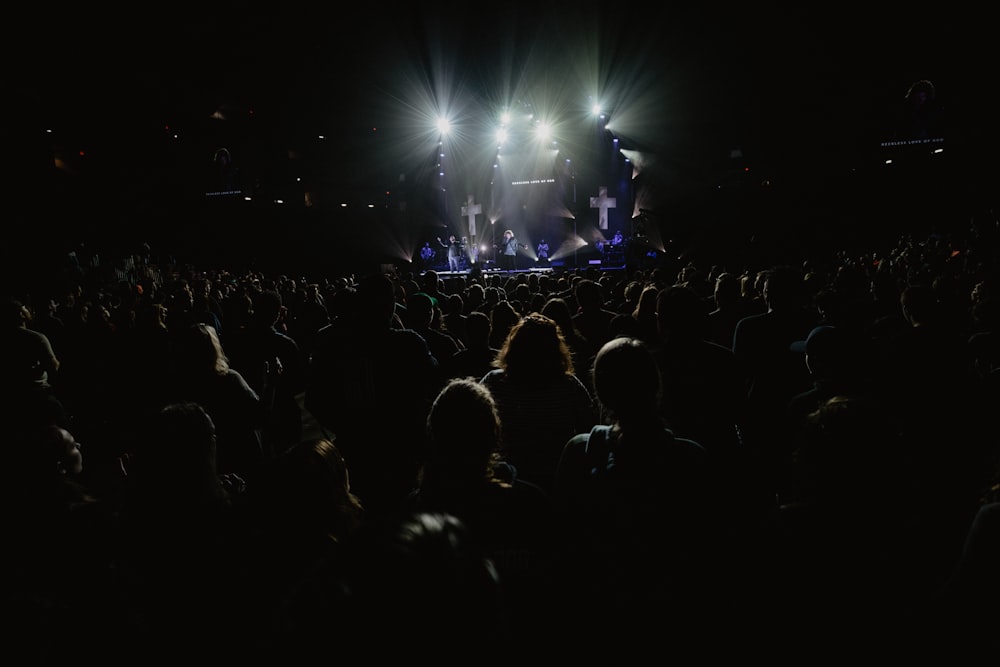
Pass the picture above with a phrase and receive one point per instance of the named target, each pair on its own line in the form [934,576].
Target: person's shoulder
[403,334]
[30,334]
[405,342]
[691,448]
[751,320]
[597,433]
[284,339]
[574,457]
[711,347]
[574,381]
[988,514]
[754,325]
[529,493]
[691,445]
[493,376]
[580,440]
[238,382]
[717,353]
[331,328]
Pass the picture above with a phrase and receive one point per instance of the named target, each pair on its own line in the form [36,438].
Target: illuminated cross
[470,210]
[603,202]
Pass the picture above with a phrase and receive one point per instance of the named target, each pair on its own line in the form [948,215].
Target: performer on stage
[508,251]
[454,252]
[427,255]
[543,251]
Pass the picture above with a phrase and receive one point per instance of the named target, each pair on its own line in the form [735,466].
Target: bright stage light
[543,131]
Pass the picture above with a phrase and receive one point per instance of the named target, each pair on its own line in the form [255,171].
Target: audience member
[31,362]
[296,521]
[178,541]
[762,344]
[503,317]
[274,367]
[420,316]
[476,360]
[582,351]
[729,307]
[703,390]
[635,512]
[453,317]
[541,400]
[422,580]
[465,476]
[201,374]
[370,385]
[592,317]
[59,585]
[965,613]
[849,565]
[308,315]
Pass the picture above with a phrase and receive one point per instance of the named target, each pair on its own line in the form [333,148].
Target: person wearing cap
[432,285]
[423,315]
[833,356]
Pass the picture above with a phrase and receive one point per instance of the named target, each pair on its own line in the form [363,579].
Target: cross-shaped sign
[603,202]
[470,210]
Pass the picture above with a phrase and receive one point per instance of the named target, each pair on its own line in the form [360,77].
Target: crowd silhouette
[688,464]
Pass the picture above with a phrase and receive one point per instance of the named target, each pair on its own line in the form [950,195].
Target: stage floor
[501,272]
[489,268]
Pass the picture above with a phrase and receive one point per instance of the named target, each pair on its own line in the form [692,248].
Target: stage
[560,269]
[611,259]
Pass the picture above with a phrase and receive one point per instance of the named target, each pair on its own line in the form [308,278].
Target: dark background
[766,125]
